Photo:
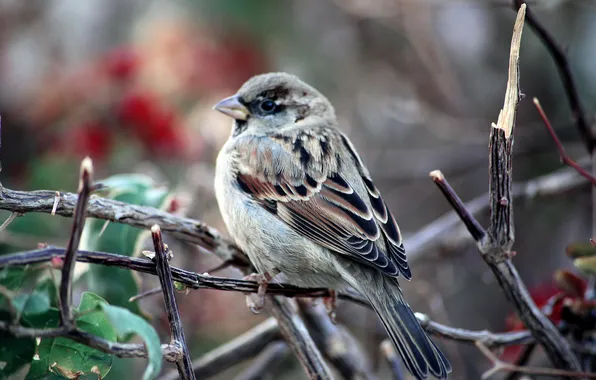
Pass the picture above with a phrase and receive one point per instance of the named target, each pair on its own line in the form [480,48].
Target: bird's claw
[256,301]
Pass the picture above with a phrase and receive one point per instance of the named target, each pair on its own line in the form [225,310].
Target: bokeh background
[416,85]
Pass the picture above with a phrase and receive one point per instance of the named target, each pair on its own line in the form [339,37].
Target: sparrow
[298,200]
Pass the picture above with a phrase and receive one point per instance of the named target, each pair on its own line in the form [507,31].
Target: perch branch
[184,362]
[191,280]
[560,148]
[198,281]
[70,256]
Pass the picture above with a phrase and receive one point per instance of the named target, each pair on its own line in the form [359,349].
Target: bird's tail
[419,353]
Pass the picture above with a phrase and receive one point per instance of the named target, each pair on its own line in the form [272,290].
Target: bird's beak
[232,107]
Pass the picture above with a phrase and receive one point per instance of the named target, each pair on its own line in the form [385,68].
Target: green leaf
[14,352]
[114,284]
[126,323]
[12,277]
[67,358]
[38,301]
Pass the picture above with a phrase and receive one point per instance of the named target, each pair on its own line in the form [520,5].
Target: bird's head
[267,103]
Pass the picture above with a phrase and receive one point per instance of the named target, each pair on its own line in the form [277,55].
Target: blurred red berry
[155,126]
[92,138]
[121,63]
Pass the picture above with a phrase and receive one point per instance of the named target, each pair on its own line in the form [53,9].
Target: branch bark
[495,244]
[70,256]
[162,266]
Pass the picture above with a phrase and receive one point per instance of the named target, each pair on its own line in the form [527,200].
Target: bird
[298,200]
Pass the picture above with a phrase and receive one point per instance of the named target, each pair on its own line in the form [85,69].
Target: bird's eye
[267,106]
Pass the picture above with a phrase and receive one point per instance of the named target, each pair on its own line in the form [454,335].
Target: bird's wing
[301,182]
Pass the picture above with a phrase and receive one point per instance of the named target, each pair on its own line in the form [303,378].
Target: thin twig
[522,360]
[501,366]
[476,230]
[241,348]
[267,363]
[393,360]
[338,346]
[144,294]
[440,230]
[184,363]
[564,69]
[470,336]
[560,148]
[70,256]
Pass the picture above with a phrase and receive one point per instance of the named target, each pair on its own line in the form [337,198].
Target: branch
[119,212]
[241,348]
[499,366]
[194,280]
[267,363]
[297,337]
[337,345]
[562,65]
[495,245]
[183,363]
[562,154]
[470,336]
[122,350]
[523,358]
[70,256]
[189,279]
[440,231]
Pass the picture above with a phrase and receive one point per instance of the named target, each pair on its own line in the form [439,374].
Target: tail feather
[419,353]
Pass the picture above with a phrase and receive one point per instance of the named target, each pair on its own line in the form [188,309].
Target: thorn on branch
[56,202]
[11,217]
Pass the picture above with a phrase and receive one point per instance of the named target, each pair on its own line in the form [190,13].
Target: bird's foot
[330,304]
[256,301]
